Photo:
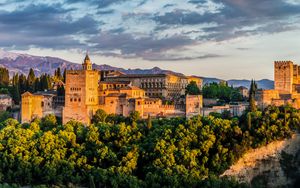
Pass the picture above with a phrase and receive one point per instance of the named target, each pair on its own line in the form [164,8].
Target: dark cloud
[136,47]
[98,3]
[44,26]
[55,26]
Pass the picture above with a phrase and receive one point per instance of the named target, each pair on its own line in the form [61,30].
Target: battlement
[283,63]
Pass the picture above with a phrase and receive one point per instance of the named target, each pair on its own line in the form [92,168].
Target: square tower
[283,76]
[81,94]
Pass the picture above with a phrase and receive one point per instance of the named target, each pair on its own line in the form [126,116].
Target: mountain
[21,63]
[261,84]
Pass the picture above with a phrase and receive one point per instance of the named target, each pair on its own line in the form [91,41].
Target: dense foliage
[19,84]
[221,91]
[116,151]
[192,89]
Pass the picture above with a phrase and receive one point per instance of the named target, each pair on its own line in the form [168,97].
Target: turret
[87,64]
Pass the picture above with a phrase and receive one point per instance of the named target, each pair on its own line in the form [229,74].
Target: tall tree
[252,92]
[4,77]
[16,89]
[22,83]
[64,76]
[31,80]
[192,88]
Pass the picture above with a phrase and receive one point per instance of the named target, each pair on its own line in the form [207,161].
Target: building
[81,93]
[244,91]
[197,80]
[286,86]
[85,93]
[167,86]
[40,104]
[236,109]
[5,102]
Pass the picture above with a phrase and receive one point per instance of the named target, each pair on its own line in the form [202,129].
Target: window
[71,100]
[42,104]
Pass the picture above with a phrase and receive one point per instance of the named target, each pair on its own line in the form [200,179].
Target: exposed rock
[265,163]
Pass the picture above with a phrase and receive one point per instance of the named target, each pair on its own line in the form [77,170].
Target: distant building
[119,94]
[244,91]
[40,104]
[168,86]
[236,109]
[198,80]
[286,86]
[5,102]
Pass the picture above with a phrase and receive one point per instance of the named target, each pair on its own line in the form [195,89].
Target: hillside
[21,63]
[272,165]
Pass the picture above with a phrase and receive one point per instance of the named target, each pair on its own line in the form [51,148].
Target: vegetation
[116,151]
[252,92]
[192,89]
[222,91]
[20,83]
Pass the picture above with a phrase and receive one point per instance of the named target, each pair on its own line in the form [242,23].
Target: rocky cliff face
[274,165]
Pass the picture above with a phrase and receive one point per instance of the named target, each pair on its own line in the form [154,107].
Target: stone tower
[283,76]
[87,65]
[81,93]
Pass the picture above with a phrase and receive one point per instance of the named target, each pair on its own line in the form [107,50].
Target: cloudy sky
[216,38]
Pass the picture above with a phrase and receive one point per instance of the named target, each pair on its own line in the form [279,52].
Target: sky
[228,39]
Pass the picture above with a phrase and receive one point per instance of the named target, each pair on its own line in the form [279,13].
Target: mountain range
[21,63]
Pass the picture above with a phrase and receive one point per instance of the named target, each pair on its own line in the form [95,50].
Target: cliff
[273,165]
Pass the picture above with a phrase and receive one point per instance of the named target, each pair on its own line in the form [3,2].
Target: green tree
[192,89]
[4,77]
[31,81]
[100,116]
[252,92]
[134,116]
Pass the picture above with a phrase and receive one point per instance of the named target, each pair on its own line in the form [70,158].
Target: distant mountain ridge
[21,63]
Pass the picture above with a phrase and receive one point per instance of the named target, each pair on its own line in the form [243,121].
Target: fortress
[88,90]
[286,86]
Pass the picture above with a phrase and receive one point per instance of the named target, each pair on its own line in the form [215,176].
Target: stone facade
[286,86]
[81,93]
[85,93]
[5,102]
[168,86]
[40,104]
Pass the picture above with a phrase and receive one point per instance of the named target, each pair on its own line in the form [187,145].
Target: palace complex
[87,90]
[286,86]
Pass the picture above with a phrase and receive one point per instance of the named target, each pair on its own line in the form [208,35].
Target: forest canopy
[116,151]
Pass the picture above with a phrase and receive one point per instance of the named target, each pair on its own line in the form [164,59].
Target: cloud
[44,26]
[144,28]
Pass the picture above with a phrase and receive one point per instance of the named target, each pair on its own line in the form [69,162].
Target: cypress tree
[149,122]
[252,92]
[31,81]
[4,77]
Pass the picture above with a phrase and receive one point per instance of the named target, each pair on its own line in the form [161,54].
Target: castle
[88,90]
[286,86]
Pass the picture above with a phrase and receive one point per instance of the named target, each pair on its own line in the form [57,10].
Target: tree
[64,76]
[31,80]
[192,89]
[134,116]
[252,92]
[16,89]
[99,117]
[49,122]
[4,77]
[149,122]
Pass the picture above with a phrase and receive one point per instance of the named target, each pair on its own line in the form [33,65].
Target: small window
[42,104]
[79,100]
[75,100]
[71,100]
